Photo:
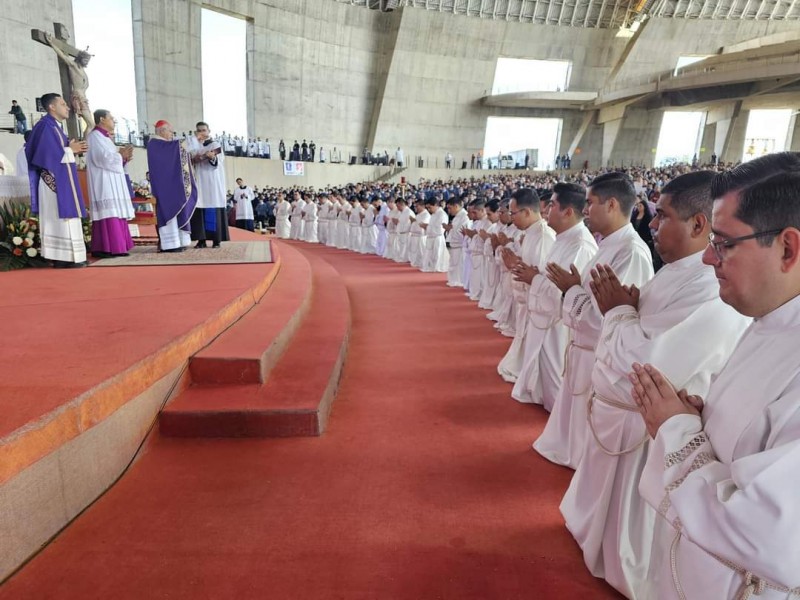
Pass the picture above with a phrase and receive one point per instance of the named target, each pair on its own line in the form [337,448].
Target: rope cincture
[615,404]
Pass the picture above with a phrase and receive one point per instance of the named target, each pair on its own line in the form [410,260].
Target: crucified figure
[78,81]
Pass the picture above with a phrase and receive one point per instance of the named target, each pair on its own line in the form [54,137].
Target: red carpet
[423,486]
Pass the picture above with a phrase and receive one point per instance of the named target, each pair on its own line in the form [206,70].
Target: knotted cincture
[752,586]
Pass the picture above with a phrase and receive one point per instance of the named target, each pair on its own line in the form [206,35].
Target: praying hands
[510,260]
[525,273]
[562,278]
[609,292]
[657,398]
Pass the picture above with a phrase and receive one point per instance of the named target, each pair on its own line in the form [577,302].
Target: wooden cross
[61,39]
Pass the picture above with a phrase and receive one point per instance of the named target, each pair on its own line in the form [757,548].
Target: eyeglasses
[720,247]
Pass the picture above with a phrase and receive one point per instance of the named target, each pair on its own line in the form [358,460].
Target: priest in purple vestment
[55,192]
[173,185]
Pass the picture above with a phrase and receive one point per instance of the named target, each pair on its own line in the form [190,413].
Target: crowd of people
[652,313]
[673,395]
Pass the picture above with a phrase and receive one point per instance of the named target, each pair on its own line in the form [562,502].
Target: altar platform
[92,357]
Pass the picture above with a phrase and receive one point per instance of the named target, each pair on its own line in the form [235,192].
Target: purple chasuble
[171,181]
[45,151]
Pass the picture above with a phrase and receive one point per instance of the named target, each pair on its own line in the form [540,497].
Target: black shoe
[201,244]
[121,254]
[216,245]
[102,254]
[63,264]
[181,249]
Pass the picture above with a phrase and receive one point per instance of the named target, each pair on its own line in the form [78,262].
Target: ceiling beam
[588,10]
[790,9]
[561,13]
[600,14]
[774,10]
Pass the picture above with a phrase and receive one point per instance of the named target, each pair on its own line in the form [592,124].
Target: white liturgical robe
[282,211]
[417,240]
[343,226]
[369,231]
[728,482]
[682,326]
[546,340]
[536,244]
[210,178]
[244,203]
[504,313]
[457,240]
[476,246]
[490,271]
[296,230]
[355,227]
[310,223]
[436,258]
[404,222]
[108,188]
[565,433]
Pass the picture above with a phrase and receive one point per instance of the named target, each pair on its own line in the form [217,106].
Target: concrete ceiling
[598,13]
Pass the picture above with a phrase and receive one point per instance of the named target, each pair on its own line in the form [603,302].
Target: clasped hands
[78,147]
[609,292]
[657,398]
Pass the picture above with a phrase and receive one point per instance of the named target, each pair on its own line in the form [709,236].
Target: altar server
[310,221]
[243,196]
[405,219]
[436,257]
[209,219]
[456,240]
[282,211]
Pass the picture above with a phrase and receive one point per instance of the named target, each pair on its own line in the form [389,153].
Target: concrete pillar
[734,143]
[793,141]
[610,133]
[637,137]
[707,144]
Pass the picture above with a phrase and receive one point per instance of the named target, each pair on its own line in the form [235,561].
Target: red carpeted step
[247,351]
[296,398]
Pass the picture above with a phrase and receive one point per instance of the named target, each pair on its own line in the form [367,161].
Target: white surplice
[210,179]
[108,188]
[243,197]
[282,227]
[681,325]
[728,482]
[565,433]
[538,239]
[546,340]
[457,240]
[436,258]
[391,235]
[322,221]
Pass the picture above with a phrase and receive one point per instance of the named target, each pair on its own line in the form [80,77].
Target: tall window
[767,131]
[680,137]
[109,35]
[524,75]
[224,58]
[517,136]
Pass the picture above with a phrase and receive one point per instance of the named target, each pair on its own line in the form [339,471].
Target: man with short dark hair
[722,470]
[546,341]
[536,242]
[208,220]
[243,197]
[609,200]
[55,192]
[455,240]
[602,506]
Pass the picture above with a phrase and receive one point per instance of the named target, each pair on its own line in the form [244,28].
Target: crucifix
[74,81]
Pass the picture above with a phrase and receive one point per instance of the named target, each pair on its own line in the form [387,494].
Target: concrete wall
[29,69]
[664,40]
[348,77]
